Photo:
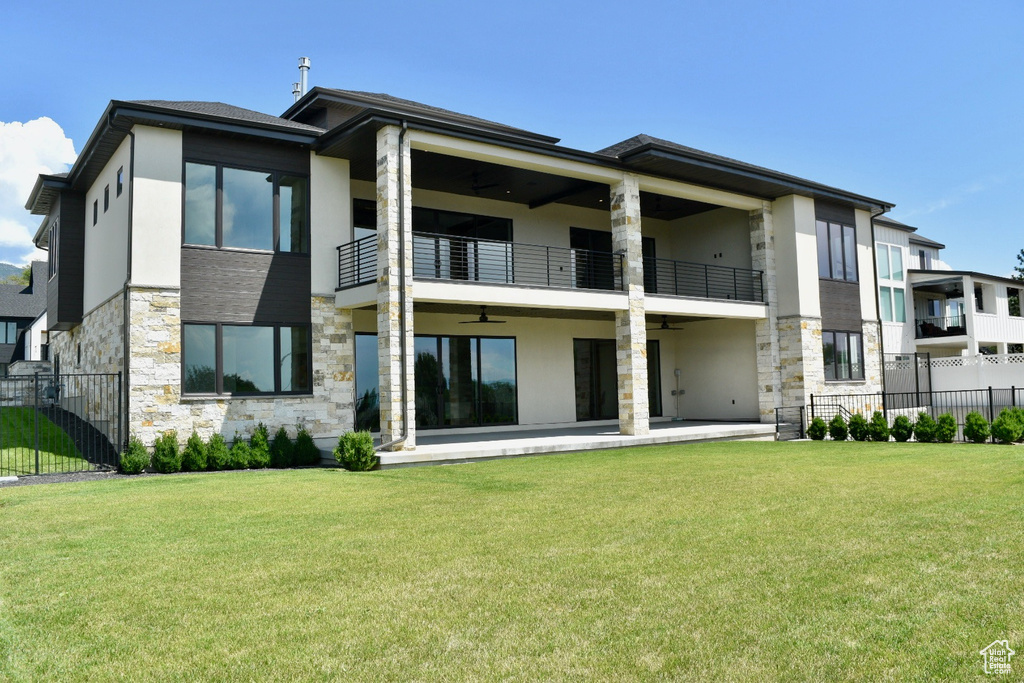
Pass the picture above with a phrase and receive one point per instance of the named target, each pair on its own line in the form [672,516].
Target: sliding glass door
[596,379]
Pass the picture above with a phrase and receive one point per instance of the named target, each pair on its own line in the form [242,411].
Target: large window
[8,333]
[890,261]
[245,359]
[235,208]
[460,381]
[893,304]
[837,251]
[843,355]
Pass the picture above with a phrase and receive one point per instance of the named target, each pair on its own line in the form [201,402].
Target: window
[893,304]
[1013,300]
[843,354]
[890,261]
[95,211]
[106,198]
[8,333]
[837,251]
[245,359]
[235,208]
[926,259]
[120,180]
[979,299]
[52,249]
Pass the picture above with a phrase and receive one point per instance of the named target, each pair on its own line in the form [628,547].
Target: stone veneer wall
[156,404]
[101,336]
[802,363]
[766,330]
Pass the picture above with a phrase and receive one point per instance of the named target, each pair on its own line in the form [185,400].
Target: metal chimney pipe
[303,74]
[296,91]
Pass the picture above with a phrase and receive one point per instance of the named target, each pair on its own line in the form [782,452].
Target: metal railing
[60,423]
[789,423]
[682,278]
[940,327]
[357,262]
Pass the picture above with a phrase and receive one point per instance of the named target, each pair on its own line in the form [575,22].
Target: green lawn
[57,452]
[734,561]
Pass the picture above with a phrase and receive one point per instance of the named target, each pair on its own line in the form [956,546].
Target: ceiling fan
[482,319]
[476,186]
[664,327]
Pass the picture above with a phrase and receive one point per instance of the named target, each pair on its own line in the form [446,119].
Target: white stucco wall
[700,238]
[156,224]
[34,338]
[330,219]
[866,266]
[106,243]
[796,261]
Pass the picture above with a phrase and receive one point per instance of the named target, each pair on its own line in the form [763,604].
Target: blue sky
[919,104]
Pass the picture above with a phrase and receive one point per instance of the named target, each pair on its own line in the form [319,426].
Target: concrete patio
[459,446]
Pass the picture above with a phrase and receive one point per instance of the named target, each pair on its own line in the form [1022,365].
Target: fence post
[1013,396]
[122,442]
[37,420]
[812,407]
[991,406]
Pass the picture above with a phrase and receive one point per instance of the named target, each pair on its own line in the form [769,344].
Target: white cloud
[26,150]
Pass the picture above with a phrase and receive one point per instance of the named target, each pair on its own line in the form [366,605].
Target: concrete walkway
[457,446]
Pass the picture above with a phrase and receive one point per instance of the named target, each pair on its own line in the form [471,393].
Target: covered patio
[450,446]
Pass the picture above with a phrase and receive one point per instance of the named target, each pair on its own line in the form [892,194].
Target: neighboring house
[366,260]
[926,306]
[20,306]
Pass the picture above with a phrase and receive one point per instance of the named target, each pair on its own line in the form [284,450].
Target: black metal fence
[989,402]
[60,423]
[357,262]
[789,423]
[680,278]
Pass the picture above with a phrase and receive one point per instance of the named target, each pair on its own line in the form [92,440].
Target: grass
[57,451]
[728,561]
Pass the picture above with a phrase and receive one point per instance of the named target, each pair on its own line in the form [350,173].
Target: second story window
[837,251]
[890,262]
[246,209]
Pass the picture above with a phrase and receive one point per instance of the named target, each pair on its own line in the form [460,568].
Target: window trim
[95,211]
[850,334]
[106,198]
[219,208]
[842,248]
[218,340]
[120,180]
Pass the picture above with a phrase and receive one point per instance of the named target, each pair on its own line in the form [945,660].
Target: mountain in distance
[8,269]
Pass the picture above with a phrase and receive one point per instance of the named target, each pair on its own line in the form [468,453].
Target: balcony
[462,259]
[930,328]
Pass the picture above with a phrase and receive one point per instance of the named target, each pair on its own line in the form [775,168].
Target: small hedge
[902,428]
[259,447]
[878,428]
[166,456]
[837,428]
[355,451]
[306,451]
[135,457]
[218,453]
[976,427]
[1007,427]
[282,451]
[858,427]
[946,428]
[195,456]
[240,454]
[817,429]
[926,430]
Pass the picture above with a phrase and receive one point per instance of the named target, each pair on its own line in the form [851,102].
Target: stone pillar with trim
[394,275]
[631,324]
[766,330]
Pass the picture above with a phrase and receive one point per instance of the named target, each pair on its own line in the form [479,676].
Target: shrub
[817,429]
[926,429]
[259,447]
[194,457]
[166,456]
[976,427]
[306,452]
[1007,428]
[837,428]
[878,429]
[946,428]
[135,458]
[355,451]
[902,428]
[240,454]
[282,452]
[218,454]
[858,427]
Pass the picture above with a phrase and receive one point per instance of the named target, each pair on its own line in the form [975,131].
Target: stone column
[631,324]
[394,275]
[766,330]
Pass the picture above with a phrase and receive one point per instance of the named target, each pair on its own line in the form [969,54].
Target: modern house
[20,308]
[372,261]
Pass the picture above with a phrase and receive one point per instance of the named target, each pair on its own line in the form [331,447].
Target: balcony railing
[444,257]
[952,326]
[680,278]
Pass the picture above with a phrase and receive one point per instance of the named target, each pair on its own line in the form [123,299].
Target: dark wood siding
[238,152]
[65,289]
[834,212]
[840,305]
[219,285]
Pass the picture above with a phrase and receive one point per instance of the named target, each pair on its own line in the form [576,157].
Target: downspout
[126,341]
[401,290]
[878,306]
